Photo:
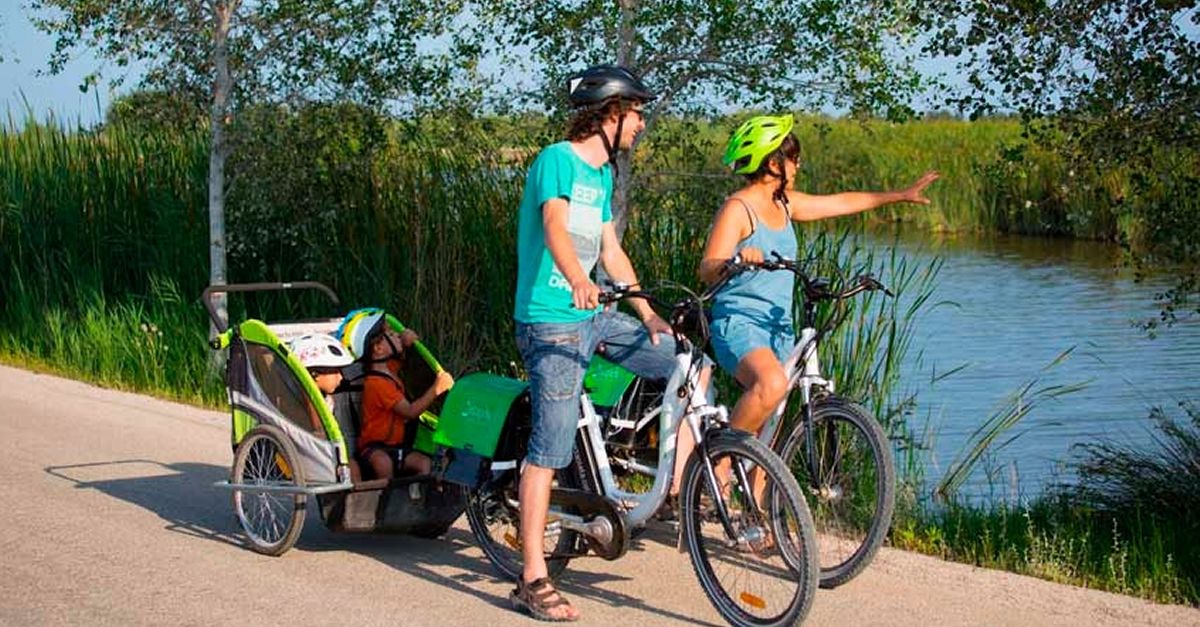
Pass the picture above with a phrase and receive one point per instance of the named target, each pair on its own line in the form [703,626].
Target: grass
[153,345]
[1057,540]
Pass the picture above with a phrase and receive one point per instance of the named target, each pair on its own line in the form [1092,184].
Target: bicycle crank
[595,517]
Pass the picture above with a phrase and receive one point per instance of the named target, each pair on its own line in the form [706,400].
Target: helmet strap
[780,193]
[780,196]
[397,353]
[612,147]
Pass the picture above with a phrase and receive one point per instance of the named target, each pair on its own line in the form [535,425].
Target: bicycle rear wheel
[851,489]
[746,575]
[495,522]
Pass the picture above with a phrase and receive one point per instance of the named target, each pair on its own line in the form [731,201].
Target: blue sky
[25,51]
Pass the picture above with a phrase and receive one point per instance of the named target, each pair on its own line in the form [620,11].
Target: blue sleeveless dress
[754,309]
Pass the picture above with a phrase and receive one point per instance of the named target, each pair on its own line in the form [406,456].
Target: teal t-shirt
[543,294]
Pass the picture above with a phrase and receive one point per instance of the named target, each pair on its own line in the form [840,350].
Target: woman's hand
[409,337]
[916,192]
[751,256]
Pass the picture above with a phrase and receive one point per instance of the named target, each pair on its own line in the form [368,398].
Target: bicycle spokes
[737,535]
[842,462]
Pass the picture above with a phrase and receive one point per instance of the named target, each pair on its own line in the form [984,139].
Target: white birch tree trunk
[218,151]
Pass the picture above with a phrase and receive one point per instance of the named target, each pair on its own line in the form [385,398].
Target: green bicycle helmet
[754,140]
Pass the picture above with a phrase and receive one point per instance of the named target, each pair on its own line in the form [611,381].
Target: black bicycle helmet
[601,83]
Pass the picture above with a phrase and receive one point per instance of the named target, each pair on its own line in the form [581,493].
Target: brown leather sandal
[532,598]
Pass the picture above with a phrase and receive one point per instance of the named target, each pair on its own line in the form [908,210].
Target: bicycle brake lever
[734,265]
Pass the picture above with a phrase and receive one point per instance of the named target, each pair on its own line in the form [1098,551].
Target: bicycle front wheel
[849,481]
[742,568]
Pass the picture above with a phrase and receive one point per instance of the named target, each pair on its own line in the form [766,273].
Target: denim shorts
[734,336]
[556,355]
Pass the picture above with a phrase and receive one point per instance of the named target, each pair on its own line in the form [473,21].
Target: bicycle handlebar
[814,289]
[682,312]
[623,291]
[683,315]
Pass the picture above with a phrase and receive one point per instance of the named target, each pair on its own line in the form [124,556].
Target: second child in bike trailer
[386,410]
[752,327]
[565,227]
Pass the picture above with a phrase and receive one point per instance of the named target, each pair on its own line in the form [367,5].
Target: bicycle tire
[796,586]
[850,528]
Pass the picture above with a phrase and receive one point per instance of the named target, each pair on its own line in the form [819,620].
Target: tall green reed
[996,431]
[151,344]
[100,209]
[993,179]
[417,219]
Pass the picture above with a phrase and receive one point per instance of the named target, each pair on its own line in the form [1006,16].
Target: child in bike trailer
[752,328]
[386,411]
[324,357]
[565,227]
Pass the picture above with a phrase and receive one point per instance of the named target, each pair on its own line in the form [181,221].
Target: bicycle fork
[714,486]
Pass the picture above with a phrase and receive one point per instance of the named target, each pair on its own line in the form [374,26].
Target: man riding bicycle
[565,228]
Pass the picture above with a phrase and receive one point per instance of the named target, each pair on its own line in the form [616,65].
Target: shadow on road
[176,492]
[182,494]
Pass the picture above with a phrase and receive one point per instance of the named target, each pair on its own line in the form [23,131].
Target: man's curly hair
[587,121]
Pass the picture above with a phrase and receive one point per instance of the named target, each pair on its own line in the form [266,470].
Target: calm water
[1019,303]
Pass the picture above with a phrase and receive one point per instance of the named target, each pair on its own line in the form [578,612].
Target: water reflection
[1020,303]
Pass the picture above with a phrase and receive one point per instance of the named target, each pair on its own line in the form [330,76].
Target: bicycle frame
[803,371]
[686,398]
[696,407]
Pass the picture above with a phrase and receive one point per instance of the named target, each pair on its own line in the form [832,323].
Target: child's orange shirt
[380,424]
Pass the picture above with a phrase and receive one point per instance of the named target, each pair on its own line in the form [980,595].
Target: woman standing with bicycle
[752,329]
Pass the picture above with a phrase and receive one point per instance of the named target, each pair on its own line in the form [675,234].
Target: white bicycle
[755,557]
[834,447]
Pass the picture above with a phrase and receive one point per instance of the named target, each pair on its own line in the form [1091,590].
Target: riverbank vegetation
[1126,523]
[103,254]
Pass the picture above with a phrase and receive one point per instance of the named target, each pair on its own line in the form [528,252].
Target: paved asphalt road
[108,517]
